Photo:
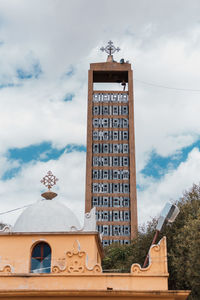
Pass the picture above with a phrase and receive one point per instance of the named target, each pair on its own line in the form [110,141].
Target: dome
[46,216]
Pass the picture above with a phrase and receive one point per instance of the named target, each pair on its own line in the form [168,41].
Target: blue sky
[44,61]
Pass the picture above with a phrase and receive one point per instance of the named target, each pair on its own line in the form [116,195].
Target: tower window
[115,110]
[124,109]
[105,161]
[95,110]
[125,123]
[125,161]
[96,122]
[105,148]
[95,201]
[105,110]
[125,98]
[41,258]
[95,188]
[105,201]
[126,202]
[105,135]
[116,202]
[115,161]
[115,174]
[105,174]
[115,148]
[125,174]
[105,215]
[105,229]
[125,135]
[95,135]
[95,174]
[105,187]
[126,242]
[115,216]
[116,230]
[105,123]
[126,188]
[126,216]
[115,135]
[115,123]
[96,97]
[105,243]
[126,230]
[106,97]
[95,161]
[125,148]
[115,188]
[95,148]
[115,97]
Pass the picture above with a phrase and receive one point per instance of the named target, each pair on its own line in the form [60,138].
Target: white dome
[46,216]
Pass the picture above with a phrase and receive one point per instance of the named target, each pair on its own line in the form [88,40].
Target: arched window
[41,258]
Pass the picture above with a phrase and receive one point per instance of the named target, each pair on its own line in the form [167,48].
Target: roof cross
[110,48]
[49,180]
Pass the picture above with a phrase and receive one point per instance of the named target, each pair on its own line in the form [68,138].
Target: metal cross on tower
[110,48]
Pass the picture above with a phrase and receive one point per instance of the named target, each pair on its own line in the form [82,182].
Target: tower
[110,162]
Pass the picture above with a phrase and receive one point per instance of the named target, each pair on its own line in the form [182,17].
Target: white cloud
[168,188]
[26,188]
[160,40]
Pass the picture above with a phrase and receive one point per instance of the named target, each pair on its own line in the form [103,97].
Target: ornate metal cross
[49,180]
[110,48]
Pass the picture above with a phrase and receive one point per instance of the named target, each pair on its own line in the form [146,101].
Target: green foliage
[183,240]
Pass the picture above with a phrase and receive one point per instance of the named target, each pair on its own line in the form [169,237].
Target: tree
[183,240]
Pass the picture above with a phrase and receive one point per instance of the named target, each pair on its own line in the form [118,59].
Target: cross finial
[49,180]
[110,48]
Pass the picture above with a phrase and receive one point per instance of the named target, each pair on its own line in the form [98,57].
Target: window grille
[105,230]
[116,202]
[95,201]
[125,148]
[105,174]
[95,174]
[125,135]
[126,202]
[95,135]
[95,110]
[105,110]
[126,188]
[125,161]
[95,122]
[105,201]
[124,110]
[95,161]
[126,230]
[126,216]
[95,188]
[115,216]
[115,110]
[115,123]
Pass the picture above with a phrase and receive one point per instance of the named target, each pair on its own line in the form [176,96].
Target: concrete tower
[110,166]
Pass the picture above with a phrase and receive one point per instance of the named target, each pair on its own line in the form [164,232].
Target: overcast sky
[45,51]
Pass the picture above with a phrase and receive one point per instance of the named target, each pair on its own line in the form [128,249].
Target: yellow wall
[15,249]
[76,269]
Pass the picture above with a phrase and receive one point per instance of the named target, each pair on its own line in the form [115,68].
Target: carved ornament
[76,263]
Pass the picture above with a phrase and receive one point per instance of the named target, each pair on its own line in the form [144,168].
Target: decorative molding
[157,261]
[6,228]
[90,223]
[76,263]
[6,270]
